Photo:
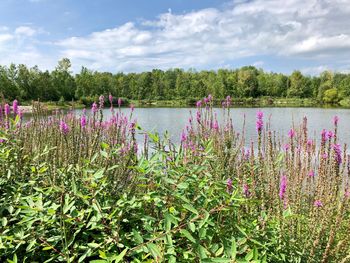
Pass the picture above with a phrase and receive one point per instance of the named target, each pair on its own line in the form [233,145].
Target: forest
[26,84]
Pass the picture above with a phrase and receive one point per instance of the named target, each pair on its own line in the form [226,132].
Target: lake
[174,120]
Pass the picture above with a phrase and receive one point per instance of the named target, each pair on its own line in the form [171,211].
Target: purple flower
[283,187]
[183,137]
[259,115]
[311,173]
[7,109]
[324,135]
[94,108]
[64,128]
[318,203]
[291,133]
[259,121]
[330,134]
[132,107]
[15,107]
[335,120]
[83,121]
[102,101]
[325,156]
[210,97]
[199,104]
[337,151]
[286,147]
[229,186]
[246,191]
[120,102]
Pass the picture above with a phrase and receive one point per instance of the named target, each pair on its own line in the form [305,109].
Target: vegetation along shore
[83,189]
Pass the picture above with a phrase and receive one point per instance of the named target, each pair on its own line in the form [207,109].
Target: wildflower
[210,97]
[259,122]
[324,156]
[183,137]
[347,193]
[283,187]
[120,102]
[132,107]
[110,98]
[259,115]
[246,191]
[324,135]
[15,107]
[229,186]
[94,108]
[83,121]
[318,203]
[337,151]
[335,120]
[199,104]
[330,134]
[64,128]
[228,101]
[102,101]
[286,147]
[198,116]
[311,173]
[291,133]
[7,109]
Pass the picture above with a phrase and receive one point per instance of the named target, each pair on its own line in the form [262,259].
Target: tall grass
[82,188]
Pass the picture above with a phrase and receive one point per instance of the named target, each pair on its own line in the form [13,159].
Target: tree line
[26,84]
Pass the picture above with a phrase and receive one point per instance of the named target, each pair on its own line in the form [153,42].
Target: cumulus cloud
[22,46]
[295,28]
[313,32]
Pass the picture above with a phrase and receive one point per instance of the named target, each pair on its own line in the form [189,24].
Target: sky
[140,35]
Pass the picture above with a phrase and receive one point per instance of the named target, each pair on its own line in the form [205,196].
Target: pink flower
[259,121]
[311,173]
[15,107]
[229,186]
[291,133]
[102,101]
[286,147]
[7,109]
[318,203]
[94,108]
[120,101]
[330,134]
[337,151]
[199,104]
[83,121]
[325,156]
[283,187]
[335,120]
[64,128]
[324,135]
[246,191]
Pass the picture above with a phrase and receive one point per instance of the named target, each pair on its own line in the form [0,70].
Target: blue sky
[138,35]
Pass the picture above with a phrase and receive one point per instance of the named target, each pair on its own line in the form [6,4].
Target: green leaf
[120,256]
[250,255]
[187,234]
[233,249]
[99,174]
[138,238]
[154,250]
[216,260]
[190,208]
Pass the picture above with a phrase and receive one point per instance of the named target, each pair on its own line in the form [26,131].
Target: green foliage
[26,84]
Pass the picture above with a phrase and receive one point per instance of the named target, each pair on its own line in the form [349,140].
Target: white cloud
[25,31]
[293,28]
[290,30]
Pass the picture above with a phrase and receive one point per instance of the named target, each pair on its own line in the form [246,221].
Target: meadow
[81,188]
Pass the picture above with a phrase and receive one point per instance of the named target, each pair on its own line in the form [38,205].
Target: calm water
[174,120]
